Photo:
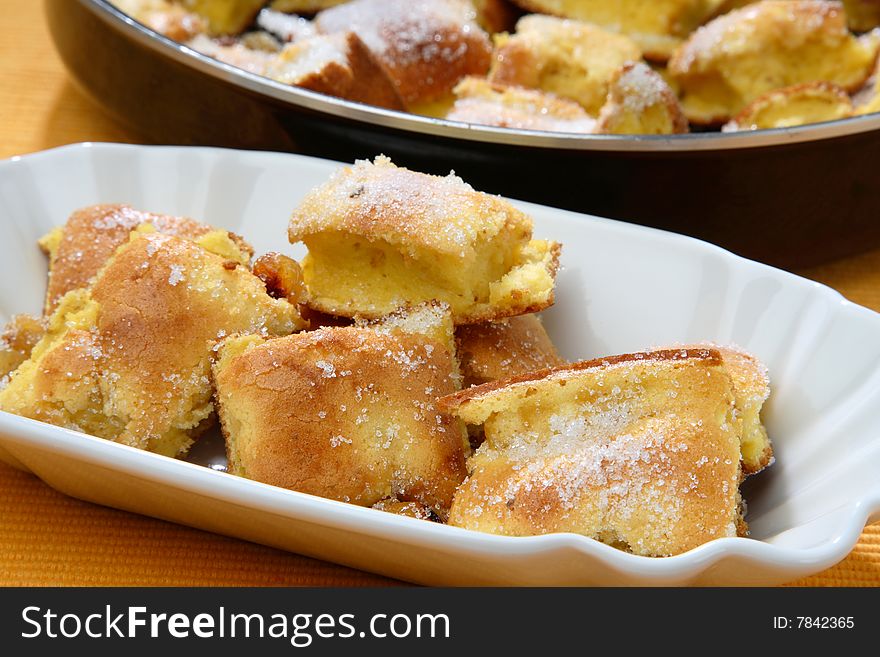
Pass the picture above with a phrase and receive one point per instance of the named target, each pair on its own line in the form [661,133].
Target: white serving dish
[622,288]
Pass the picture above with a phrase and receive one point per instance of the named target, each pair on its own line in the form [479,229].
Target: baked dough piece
[657,26]
[128,359]
[568,58]
[639,451]
[498,350]
[742,55]
[496,15]
[382,237]
[346,413]
[751,388]
[78,249]
[165,17]
[337,65]
[425,46]
[18,339]
[640,102]
[507,106]
[801,104]
[225,16]
[235,54]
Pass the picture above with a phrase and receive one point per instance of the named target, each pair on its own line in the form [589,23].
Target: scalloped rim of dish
[338,107]
[793,562]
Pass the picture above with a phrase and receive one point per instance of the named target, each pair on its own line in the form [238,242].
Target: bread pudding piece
[380,237]
[225,17]
[638,451]
[657,26]
[641,103]
[287,28]
[507,106]
[509,347]
[17,340]
[571,59]
[128,359]
[346,413]
[78,249]
[425,46]
[337,65]
[165,17]
[800,104]
[740,56]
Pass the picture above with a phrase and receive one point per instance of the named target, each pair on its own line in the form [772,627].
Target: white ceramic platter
[622,288]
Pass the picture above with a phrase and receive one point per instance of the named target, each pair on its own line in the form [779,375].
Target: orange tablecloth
[49,539]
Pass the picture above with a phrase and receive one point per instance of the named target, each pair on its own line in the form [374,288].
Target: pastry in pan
[18,339]
[800,104]
[509,347]
[425,46]
[477,100]
[496,15]
[78,249]
[338,65]
[165,17]
[380,237]
[639,451]
[568,58]
[657,26]
[738,57]
[347,413]
[640,102]
[128,358]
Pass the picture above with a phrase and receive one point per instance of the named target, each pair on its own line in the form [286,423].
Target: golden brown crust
[91,235]
[425,46]
[407,509]
[338,65]
[345,413]
[496,350]
[128,359]
[710,356]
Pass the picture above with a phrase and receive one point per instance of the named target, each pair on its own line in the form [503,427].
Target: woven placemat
[49,539]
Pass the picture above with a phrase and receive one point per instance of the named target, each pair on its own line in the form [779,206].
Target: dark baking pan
[791,197]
